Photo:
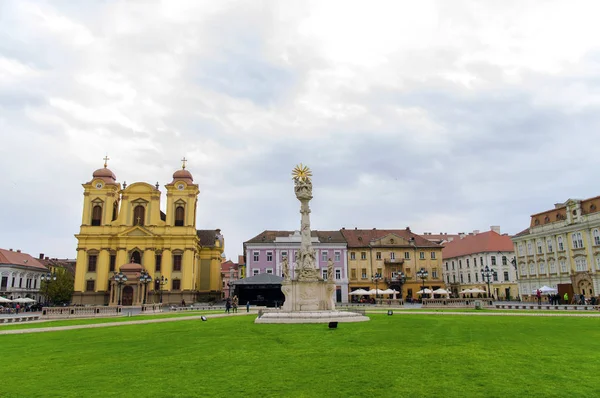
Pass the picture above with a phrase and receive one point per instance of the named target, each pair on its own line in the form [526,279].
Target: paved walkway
[209,316]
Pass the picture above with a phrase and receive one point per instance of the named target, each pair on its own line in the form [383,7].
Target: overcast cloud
[445,116]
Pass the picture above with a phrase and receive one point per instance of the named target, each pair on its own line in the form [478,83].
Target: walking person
[566,298]
[248,306]
[227,305]
[235,303]
[538,293]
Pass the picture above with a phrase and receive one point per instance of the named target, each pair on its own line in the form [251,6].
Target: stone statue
[285,269]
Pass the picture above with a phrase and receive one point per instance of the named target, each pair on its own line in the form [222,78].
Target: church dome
[104,173]
[183,175]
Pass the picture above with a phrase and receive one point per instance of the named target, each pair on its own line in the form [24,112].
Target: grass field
[399,356]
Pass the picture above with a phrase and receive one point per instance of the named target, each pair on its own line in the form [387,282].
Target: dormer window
[179,216]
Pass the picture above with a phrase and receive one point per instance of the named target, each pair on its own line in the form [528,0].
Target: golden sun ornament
[302,173]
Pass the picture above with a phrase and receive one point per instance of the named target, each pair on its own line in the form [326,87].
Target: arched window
[136,257]
[596,237]
[115,211]
[179,216]
[97,215]
[138,215]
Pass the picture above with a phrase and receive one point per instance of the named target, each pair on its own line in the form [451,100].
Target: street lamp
[423,274]
[145,278]
[486,274]
[376,278]
[48,278]
[401,280]
[161,282]
[120,279]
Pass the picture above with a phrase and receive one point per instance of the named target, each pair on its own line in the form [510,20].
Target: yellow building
[378,258]
[561,249]
[125,233]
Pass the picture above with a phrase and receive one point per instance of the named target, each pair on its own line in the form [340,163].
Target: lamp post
[401,280]
[423,274]
[145,278]
[161,282]
[48,278]
[376,279]
[120,279]
[486,274]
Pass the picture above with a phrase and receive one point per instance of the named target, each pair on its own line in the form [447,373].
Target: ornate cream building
[124,232]
[561,249]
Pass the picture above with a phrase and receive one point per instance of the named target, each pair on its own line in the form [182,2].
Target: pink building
[230,271]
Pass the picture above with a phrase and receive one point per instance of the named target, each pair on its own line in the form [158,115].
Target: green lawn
[396,356]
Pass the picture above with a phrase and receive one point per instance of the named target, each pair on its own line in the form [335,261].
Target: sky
[445,116]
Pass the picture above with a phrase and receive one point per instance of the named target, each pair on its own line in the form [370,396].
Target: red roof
[228,265]
[363,237]
[489,241]
[18,258]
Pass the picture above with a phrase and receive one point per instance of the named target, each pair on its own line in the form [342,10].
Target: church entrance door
[127,296]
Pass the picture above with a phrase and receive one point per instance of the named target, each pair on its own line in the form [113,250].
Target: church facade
[129,252]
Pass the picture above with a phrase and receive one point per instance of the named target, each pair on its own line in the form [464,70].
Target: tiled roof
[489,241]
[209,236]
[362,237]
[18,258]
[65,263]
[522,233]
[324,236]
[227,265]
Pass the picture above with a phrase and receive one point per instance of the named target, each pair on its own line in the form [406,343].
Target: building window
[520,249]
[459,264]
[338,274]
[364,273]
[324,273]
[552,266]
[337,256]
[506,276]
[597,263]
[560,243]
[353,273]
[434,273]
[283,255]
[363,255]
[157,261]
[433,255]
[563,266]
[453,278]
[453,265]
[523,269]
[136,257]
[481,261]
[378,255]
[256,256]
[446,265]
[532,269]
[542,268]
[469,278]
[596,234]
[581,264]
[475,262]
[323,255]
[179,216]
[90,286]
[352,256]
[476,277]
[115,210]
[539,247]
[254,272]
[176,284]
[269,270]
[407,255]
[92,259]
[421,255]
[549,245]
[504,260]
[269,256]
[392,256]
[493,260]
[495,276]
[97,215]
[138,215]
[461,278]
[577,240]
[529,248]
[113,262]
[177,262]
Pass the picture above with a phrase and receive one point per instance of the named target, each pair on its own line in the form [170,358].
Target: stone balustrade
[456,302]
[97,311]
[563,307]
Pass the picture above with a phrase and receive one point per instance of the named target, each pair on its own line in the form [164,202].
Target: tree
[60,290]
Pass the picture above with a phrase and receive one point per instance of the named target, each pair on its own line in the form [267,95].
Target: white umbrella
[359,292]
[5,300]
[476,290]
[373,291]
[466,291]
[23,300]
[425,291]
[441,291]
[548,289]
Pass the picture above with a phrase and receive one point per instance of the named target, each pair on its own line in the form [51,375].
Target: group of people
[231,304]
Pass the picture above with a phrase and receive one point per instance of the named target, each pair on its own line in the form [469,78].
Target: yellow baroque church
[129,252]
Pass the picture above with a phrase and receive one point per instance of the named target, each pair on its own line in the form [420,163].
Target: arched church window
[97,215]
[136,257]
[115,211]
[179,216]
[138,215]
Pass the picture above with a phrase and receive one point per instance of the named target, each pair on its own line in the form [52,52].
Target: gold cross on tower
[183,160]
[106,159]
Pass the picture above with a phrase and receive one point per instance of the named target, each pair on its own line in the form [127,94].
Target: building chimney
[41,257]
[10,250]
[495,228]
[475,231]
[18,250]
[461,235]
[46,258]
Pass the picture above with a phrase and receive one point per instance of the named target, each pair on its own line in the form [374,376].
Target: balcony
[393,261]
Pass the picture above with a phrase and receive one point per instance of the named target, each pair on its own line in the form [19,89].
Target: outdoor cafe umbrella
[5,300]
[426,291]
[442,291]
[359,292]
[390,291]
[373,291]
[547,289]
[23,300]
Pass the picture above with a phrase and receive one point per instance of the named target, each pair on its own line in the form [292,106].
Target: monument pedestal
[308,295]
